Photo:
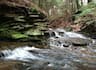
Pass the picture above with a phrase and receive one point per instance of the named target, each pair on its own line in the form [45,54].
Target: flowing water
[62,54]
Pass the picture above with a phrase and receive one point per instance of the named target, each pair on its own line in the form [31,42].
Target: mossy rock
[18,36]
[33,32]
[11,34]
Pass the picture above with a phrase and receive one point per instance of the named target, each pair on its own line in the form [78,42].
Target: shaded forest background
[58,7]
[27,20]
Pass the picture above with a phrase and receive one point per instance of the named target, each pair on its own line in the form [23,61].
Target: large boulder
[59,37]
[78,41]
[21,20]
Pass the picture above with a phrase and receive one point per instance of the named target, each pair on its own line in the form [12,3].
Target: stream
[67,51]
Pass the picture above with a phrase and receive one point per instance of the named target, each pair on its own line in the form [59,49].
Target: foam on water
[65,33]
[56,35]
[75,35]
[21,53]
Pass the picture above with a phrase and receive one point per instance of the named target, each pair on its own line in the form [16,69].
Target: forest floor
[83,21]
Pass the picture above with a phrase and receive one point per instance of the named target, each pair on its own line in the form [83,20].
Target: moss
[34,32]
[11,34]
[20,25]
[18,36]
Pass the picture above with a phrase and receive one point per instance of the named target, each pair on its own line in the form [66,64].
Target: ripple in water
[54,58]
[21,53]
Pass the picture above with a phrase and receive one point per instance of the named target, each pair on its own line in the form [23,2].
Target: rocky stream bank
[26,42]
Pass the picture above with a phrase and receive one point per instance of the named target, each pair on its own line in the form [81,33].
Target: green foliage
[11,34]
[85,12]
[59,2]
[89,9]
[89,6]
[33,10]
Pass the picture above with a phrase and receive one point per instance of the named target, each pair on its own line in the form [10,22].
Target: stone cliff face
[21,20]
[20,6]
[19,3]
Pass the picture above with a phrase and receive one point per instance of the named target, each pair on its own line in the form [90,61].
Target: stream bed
[31,58]
[20,56]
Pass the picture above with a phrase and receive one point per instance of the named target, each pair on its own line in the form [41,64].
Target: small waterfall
[61,38]
[21,53]
[61,33]
[53,57]
[5,53]
[60,56]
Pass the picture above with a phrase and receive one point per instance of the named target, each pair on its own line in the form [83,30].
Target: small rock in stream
[61,38]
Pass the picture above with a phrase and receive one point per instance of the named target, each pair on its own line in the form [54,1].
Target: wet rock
[9,65]
[60,37]
[61,42]
[79,41]
[50,59]
[1,54]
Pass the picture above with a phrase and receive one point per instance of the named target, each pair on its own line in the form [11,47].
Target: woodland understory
[22,20]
